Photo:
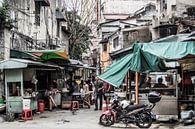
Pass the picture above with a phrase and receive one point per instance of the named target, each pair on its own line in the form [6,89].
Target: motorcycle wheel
[106,120]
[144,120]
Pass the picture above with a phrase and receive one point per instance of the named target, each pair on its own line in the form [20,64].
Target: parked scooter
[122,111]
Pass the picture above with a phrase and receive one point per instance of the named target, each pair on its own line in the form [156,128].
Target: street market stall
[74,72]
[149,57]
[168,89]
[21,84]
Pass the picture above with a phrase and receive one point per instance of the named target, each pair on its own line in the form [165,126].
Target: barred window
[37,13]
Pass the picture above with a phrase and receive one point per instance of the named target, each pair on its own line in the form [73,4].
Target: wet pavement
[82,119]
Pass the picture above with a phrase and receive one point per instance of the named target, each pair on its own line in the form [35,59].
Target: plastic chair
[27,114]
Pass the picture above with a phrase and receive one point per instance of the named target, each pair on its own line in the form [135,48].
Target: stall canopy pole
[136,87]
[130,94]
[6,86]
[22,85]
[127,85]
[176,83]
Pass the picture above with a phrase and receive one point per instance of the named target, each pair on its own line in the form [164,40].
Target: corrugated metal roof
[21,63]
[75,62]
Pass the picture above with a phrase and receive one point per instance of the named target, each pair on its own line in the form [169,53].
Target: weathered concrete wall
[7,43]
[120,9]
[178,7]
[1,45]
[123,6]
[23,12]
[140,34]
[4,54]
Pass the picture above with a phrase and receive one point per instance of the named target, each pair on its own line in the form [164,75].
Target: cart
[14,102]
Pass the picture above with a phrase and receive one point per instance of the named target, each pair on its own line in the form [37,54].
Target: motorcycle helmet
[115,98]
[124,104]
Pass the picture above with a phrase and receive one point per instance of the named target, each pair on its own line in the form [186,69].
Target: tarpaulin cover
[51,54]
[146,57]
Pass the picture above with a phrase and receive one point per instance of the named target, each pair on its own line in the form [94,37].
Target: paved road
[83,119]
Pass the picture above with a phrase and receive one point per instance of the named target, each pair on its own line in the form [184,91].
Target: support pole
[127,86]
[136,88]
[129,79]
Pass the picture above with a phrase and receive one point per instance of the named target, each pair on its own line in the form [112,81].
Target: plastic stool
[27,114]
[75,105]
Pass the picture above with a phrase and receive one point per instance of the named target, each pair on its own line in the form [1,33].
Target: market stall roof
[177,38]
[78,64]
[22,55]
[147,57]
[168,50]
[22,63]
[75,62]
[50,54]
[85,66]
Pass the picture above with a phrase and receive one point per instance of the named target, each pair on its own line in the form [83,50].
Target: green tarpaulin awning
[117,71]
[138,61]
[168,50]
[147,57]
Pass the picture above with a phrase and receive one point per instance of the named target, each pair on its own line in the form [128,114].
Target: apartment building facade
[37,24]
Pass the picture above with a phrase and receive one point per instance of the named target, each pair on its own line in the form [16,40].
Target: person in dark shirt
[99,93]
[160,84]
[147,83]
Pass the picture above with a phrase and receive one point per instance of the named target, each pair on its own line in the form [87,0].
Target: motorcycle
[122,111]
[187,117]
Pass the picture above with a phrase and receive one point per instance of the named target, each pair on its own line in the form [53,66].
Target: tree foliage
[79,37]
[5,20]
[80,17]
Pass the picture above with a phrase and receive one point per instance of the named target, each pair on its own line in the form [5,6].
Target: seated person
[160,84]
[147,83]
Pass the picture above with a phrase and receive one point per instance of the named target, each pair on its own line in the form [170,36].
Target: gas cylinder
[41,106]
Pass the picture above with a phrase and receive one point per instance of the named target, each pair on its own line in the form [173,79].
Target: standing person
[99,93]
[86,87]
[49,94]
[91,91]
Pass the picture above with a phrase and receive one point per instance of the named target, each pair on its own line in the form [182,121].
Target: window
[58,28]
[127,26]
[116,42]
[37,13]
[126,37]
[105,46]
[14,88]
[191,12]
[173,7]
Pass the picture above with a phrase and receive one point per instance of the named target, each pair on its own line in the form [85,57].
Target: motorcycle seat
[133,107]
